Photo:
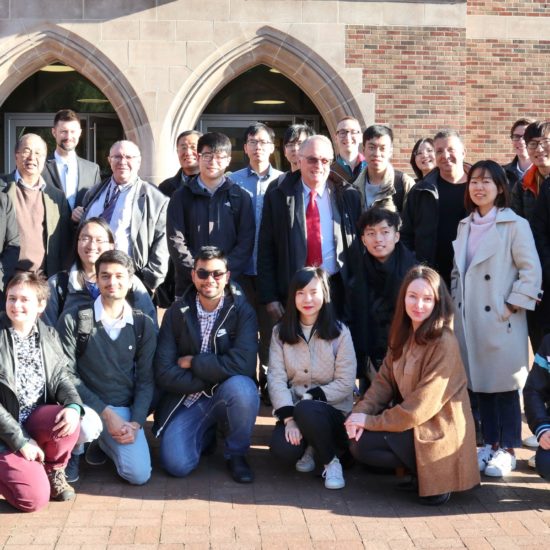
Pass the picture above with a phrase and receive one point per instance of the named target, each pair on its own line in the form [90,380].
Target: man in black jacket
[205,366]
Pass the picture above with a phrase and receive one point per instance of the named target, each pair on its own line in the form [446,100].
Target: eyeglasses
[293,144]
[204,274]
[258,143]
[120,158]
[533,145]
[87,240]
[517,137]
[314,160]
[344,133]
[209,157]
[372,148]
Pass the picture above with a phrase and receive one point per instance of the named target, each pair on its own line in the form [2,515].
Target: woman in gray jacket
[310,379]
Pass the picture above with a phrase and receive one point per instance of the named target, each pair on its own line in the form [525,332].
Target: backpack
[399,187]
[85,323]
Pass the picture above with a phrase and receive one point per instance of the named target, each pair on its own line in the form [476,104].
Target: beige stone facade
[161,62]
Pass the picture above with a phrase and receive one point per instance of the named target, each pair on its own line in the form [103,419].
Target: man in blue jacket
[205,366]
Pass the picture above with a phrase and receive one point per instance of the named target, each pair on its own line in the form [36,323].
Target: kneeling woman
[39,406]
[416,414]
[310,379]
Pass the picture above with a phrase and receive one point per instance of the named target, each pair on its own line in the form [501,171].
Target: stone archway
[268,46]
[33,50]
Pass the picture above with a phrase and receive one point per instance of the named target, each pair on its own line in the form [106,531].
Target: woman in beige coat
[417,413]
[310,379]
[496,277]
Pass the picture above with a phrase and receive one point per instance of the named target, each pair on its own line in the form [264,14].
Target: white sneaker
[501,464]
[334,478]
[484,454]
[307,462]
[531,441]
[532,462]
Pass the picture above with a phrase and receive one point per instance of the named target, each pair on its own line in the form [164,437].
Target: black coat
[234,340]
[536,394]
[59,387]
[282,248]
[9,243]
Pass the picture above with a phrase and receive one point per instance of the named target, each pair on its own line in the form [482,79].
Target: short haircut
[216,141]
[253,129]
[188,133]
[36,282]
[209,252]
[377,131]
[124,142]
[376,215]
[294,131]
[316,137]
[24,137]
[344,118]
[498,175]
[535,130]
[98,221]
[447,133]
[115,257]
[520,122]
[65,115]
[417,145]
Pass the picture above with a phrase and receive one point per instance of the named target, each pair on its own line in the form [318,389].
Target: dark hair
[499,177]
[115,257]
[209,252]
[520,122]
[253,129]
[98,221]
[535,130]
[218,143]
[377,131]
[447,133]
[376,215]
[65,115]
[326,326]
[417,145]
[188,133]
[38,284]
[294,131]
[440,318]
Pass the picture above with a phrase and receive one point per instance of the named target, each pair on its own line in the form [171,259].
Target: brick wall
[418,76]
[508,7]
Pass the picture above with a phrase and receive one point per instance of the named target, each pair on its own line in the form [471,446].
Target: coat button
[305,370]
[539,295]
[459,305]
[305,385]
[487,308]
[487,277]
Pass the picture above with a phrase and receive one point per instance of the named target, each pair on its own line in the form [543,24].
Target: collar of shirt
[252,172]
[127,317]
[69,159]
[201,312]
[16,334]
[211,191]
[39,187]
[307,191]
[122,187]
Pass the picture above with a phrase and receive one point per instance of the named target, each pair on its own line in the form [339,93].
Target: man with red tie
[308,219]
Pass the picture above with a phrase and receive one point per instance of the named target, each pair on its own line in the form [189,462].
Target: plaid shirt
[207,319]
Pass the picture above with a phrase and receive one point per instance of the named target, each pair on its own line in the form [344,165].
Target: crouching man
[205,366]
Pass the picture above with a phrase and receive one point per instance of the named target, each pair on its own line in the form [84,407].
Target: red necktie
[313,225]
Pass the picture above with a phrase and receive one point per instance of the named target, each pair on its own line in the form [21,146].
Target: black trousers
[385,449]
[542,461]
[322,427]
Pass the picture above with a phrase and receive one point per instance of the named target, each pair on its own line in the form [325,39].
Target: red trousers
[23,483]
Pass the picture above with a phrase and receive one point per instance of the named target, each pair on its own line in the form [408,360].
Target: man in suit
[41,211]
[136,212]
[65,169]
[308,219]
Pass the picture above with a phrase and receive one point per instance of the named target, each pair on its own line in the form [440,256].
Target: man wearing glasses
[136,212]
[205,367]
[308,219]
[521,162]
[349,162]
[210,209]
[255,180]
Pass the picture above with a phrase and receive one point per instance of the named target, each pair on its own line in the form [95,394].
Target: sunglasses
[204,274]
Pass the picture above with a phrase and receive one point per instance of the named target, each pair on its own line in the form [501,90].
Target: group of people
[342,270]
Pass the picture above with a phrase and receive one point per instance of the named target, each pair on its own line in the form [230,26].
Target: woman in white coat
[496,277]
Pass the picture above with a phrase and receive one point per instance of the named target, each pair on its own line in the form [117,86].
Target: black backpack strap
[85,324]
[399,187]
[139,326]
[235,201]
[61,289]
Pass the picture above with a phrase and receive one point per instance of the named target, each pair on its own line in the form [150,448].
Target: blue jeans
[500,415]
[234,405]
[132,461]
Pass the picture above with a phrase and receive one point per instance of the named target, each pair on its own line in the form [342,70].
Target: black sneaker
[72,469]
[240,470]
[435,500]
[95,455]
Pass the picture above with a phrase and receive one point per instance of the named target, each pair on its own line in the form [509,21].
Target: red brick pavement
[281,510]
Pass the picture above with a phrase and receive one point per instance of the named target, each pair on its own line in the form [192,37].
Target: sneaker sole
[305,469]
[335,487]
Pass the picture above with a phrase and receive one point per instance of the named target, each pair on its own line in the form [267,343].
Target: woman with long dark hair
[416,413]
[423,157]
[310,379]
